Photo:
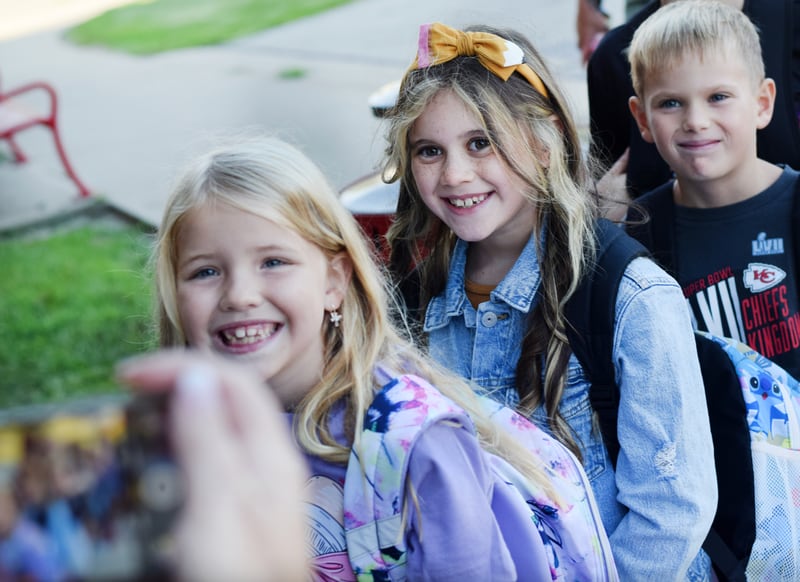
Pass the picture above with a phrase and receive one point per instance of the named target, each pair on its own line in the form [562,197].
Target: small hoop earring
[335,317]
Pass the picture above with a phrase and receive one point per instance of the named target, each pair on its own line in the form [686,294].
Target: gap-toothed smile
[247,334]
[467,202]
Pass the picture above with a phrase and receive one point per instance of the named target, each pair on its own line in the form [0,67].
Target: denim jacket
[658,507]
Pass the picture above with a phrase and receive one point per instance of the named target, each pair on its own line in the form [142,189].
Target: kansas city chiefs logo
[760,277]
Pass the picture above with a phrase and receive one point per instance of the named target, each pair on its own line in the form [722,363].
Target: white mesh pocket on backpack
[776,551]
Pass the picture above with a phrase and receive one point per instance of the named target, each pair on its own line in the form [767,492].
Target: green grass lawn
[160,25]
[73,304]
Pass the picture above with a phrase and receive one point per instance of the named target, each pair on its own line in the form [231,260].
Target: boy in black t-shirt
[726,218]
[615,140]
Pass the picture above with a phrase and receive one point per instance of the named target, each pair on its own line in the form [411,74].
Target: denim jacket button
[489,319]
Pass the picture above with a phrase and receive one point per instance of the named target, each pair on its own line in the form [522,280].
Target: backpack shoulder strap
[590,323]
[656,231]
[730,540]
[796,220]
[374,486]
[408,289]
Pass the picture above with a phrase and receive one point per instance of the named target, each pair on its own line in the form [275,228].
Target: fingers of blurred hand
[257,420]
[226,411]
[250,408]
[219,403]
[244,516]
[200,430]
[586,53]
[155,372]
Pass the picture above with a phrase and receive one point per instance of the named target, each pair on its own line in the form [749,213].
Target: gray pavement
[129,123]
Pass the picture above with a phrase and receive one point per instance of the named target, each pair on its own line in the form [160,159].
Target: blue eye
[204,273]
[669,104]
[717,97]
[272,263]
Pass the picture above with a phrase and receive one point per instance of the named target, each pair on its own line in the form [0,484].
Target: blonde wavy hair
[519,122]
[268,177]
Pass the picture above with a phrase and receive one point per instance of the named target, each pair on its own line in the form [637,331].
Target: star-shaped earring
[335,317]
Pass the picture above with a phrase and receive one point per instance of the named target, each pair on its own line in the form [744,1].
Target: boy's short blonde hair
[693,27]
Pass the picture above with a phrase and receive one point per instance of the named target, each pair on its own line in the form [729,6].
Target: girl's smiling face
[257,292]
[460,177]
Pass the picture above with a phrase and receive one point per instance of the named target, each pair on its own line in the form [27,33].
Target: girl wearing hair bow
[496,223]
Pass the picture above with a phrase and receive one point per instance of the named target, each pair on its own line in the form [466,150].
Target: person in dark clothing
[613,129]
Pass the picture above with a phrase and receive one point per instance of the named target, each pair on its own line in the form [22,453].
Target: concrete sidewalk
[129,123]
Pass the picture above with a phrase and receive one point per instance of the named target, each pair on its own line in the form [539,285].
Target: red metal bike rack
[16,117]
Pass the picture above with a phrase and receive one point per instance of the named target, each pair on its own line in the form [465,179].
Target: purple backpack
[571,531]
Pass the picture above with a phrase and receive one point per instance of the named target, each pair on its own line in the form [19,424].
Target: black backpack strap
[409,292]
[726,565]
[657,233]
[733,531]
[795,221]
[590,323]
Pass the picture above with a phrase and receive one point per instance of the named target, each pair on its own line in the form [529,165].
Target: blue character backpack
[772,403]
[572,534]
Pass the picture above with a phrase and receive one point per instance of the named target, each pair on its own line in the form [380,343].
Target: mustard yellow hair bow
[439,43]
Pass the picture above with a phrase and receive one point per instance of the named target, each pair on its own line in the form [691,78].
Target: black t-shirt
[736,266]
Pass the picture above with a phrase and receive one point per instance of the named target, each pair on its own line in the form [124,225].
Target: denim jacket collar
[517,289]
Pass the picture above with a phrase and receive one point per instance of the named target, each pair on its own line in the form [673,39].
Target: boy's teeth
[467,202]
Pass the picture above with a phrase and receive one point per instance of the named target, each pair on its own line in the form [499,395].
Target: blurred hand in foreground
[243,514]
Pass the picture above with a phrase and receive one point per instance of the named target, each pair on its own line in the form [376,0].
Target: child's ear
[640,115]
[765,99]
[340,271]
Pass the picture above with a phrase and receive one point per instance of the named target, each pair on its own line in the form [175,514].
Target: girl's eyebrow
[273,248]
[192,262]
[211,255]
[478,132]
[194,258]
[413,144]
